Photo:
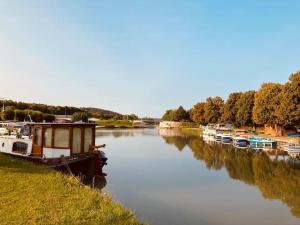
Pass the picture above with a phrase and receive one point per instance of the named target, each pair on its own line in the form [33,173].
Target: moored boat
[57,145]
[209,130]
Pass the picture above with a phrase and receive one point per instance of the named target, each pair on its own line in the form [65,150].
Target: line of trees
[10,113]
[273,103]
[43,108]
[19,110]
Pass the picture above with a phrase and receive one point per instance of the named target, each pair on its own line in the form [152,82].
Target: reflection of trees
[116,133]
[278,180]
[178,141]
[275,179]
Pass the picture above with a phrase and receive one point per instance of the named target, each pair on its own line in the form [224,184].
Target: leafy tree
[265,104]
[181,115]
[36,116]
[48,117]
[197,113]
[245,106]
[230,109]
[177,115]
[117,117]
[288,112]
[20,115]
[80,116]
[167,116]
[130,117]
[9,113]
[213,109]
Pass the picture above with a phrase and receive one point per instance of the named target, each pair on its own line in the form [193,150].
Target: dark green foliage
[20,115]
[48,117]
[177,115]
[167,116]
[36,116]
[9,113]
[60,110]
[130,117]
[80,116]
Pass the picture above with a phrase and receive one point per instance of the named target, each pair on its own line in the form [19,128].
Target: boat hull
[89,164]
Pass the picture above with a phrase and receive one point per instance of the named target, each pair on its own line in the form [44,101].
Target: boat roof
[63,124]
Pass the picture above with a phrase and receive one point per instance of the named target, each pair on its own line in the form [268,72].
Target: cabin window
[48,137]
[76,146]
[37,136]
[88,138]
[61,138]
[20,147]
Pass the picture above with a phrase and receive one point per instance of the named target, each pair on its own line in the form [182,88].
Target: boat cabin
[51,140]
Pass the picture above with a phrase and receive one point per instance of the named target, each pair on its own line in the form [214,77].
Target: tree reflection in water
[275,179]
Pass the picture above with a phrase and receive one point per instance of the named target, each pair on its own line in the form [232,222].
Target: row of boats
[244,139]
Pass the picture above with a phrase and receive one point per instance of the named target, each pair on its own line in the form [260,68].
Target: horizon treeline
[20,111]
[273,103]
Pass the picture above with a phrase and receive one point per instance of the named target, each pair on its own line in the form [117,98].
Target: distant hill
[93,110]
[57,110]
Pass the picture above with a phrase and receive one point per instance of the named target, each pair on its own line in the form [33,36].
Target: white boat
[224,128]
[209,130]
[292,150]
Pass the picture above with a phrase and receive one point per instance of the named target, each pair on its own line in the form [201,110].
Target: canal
[170,177]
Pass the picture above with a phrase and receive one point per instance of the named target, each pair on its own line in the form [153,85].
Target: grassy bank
[31,194]
[115,123]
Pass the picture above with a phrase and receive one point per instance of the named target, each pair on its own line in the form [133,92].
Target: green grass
[32,194]
[115,123]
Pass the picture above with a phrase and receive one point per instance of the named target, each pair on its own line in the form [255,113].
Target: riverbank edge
[35,194]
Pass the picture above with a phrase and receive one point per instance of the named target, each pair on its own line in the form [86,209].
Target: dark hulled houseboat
[59,145]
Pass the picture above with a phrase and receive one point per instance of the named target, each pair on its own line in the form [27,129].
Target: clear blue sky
[144,57]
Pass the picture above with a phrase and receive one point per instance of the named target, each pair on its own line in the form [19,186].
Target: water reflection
[117,133]
[276,179]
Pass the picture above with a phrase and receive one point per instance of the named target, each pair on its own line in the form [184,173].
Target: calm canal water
[172,178]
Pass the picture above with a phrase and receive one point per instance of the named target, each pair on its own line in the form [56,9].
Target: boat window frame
[54,134]
[51,138]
